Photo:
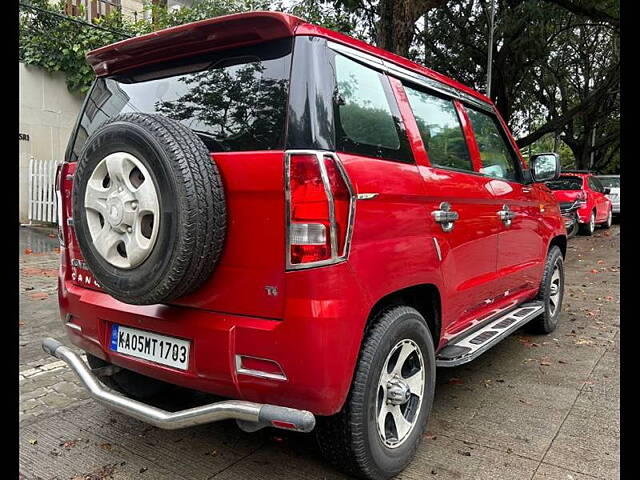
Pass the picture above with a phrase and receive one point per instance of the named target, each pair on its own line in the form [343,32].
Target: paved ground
[533,407]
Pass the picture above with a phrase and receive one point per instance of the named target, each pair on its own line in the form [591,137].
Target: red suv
[586,189]
[305,224]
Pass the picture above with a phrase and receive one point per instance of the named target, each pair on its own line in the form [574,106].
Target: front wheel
[380,426]
[551,293]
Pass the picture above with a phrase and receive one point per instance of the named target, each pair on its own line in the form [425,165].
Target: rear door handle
[445,216]
[506,215]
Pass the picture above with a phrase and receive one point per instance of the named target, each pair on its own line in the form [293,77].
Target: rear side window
[234,101]
[367,118]
[440,130]
[498,158]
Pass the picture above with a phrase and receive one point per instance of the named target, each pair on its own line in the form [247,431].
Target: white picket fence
[42,193]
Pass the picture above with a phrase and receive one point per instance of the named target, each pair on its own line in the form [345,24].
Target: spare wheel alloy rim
[122,210]
[399,394]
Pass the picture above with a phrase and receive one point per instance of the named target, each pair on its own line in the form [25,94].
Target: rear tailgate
[253,254]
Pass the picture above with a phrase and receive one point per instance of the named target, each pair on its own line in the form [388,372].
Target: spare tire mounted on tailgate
[148,208]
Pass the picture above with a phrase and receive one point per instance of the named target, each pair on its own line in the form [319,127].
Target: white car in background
[612,182]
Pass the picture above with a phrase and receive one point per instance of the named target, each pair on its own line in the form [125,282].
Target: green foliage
[57,43]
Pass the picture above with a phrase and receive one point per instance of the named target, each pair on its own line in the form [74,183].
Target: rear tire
[589,227]
[353,439]
[551,293]
[573,230]
[130,383]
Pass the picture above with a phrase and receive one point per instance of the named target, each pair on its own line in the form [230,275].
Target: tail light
[320,209]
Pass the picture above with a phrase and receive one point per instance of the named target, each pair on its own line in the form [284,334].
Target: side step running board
[471,346]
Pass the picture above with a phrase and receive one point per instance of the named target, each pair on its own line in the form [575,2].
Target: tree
[392,22]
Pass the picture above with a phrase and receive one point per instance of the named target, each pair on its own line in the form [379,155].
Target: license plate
[170,351]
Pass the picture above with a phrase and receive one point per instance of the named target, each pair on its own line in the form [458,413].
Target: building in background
[48,110]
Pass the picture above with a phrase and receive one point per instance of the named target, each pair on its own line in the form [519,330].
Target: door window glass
[367,117]
[498,159]
[440,130]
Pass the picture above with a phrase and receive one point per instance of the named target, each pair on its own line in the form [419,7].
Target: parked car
[612,182]
[595,207]
[282,215]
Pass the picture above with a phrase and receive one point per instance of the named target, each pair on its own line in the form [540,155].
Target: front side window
[498,159]
[440,130]
[367,118]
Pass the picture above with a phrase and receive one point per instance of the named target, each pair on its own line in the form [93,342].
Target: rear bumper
[251,416]
[316,344]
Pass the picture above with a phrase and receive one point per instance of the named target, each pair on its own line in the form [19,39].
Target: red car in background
[584,187]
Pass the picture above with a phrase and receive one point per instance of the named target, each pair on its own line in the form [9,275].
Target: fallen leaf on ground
[33,441]
[28,251]
[39,295]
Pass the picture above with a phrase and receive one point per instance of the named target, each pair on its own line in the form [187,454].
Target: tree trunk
[396,24]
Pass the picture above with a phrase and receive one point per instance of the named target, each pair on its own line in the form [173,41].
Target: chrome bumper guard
[249,416]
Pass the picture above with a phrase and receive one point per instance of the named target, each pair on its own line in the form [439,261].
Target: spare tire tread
[209,228]
[201,218]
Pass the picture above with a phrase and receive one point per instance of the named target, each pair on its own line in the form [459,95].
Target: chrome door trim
[401,72]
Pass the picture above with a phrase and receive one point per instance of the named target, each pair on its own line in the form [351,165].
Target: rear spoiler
[209,35]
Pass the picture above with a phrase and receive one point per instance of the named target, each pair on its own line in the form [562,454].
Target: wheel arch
[425,298]
[561,242]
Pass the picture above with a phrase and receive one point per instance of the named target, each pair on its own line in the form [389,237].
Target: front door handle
[506,215]
[445,216]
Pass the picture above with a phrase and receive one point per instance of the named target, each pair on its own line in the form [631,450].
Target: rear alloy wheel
[382,422]
[589,227]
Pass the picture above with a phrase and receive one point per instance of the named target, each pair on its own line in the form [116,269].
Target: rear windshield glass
[234,101]
[565,183]
[610,182]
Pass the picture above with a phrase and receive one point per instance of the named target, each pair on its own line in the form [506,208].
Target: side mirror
[545,167]
[607,191]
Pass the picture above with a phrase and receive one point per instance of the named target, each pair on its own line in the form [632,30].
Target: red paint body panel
[313,327]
